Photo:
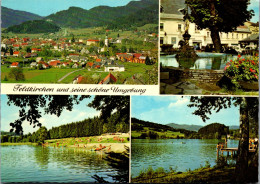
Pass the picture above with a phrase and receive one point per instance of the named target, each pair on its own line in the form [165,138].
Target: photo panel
[65,139]
[194,139]
[80,42]
[209,47]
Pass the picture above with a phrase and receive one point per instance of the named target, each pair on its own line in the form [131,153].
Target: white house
[172,28]
[114,68]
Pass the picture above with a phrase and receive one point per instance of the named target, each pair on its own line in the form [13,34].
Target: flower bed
[243,69]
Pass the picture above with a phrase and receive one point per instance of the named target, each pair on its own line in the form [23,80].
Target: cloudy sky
[47,7]
[79,112]
[173,109]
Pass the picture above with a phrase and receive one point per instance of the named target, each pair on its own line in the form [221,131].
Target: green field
[88,33]
[84,140]
[167,134]
[18,143]
[52,75]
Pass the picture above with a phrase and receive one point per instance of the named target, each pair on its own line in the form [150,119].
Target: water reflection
[37,164]
[42,157]
[211,63]
[173,153]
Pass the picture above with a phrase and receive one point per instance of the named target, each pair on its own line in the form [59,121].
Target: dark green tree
[123,49]
[101,43]
[72,39]
[218,16]
[148,61]
[17,74]
[28,49]
[248,110]
[42,134]
[11,51]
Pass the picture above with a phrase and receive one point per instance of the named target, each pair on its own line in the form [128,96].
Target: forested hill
[8,133]
[12,17]
[34,26]
[134,13]
[185,126]
[139,125]
[214,130]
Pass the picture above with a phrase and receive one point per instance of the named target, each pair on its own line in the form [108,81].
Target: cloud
[179,102]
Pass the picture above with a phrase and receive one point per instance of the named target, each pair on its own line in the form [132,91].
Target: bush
[17,74]
[242,69]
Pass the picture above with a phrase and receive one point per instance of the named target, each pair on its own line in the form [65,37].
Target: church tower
[106,41]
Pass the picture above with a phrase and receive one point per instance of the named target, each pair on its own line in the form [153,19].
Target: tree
[54,104]
[218,16]
[28,49]
[42,134]
[108,104]
[11,51]
[148,61]
[123,49]
[73,39]
[248,109]
[17,74]
[101,43]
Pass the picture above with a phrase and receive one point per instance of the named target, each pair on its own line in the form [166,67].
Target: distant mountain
[34,26]
[135,12]
[233,127]
[139,125]
[185,126]
[12,17]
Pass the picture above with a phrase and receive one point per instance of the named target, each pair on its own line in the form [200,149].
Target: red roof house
[108,79]
[15,65]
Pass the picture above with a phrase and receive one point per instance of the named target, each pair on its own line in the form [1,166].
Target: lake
[168,153]
[205,61]
[36,164]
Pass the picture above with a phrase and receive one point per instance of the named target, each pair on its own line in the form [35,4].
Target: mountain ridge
[12,17]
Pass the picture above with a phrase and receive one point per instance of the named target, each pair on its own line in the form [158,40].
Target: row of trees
[88,127]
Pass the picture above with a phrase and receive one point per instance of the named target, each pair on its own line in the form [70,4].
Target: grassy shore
[115,143]
[18,143]
[202,175]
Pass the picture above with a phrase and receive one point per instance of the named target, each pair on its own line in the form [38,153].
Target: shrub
[242,69]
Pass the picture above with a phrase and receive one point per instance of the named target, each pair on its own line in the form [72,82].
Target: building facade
[172,28]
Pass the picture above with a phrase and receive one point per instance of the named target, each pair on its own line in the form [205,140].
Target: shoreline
[18,143]
[201,175]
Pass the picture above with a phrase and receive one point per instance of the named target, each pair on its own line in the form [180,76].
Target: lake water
[168,153]
[36,164]
[206,61]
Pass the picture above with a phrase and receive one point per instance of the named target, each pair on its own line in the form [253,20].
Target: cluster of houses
[79,54]
[110,64]
[30,48]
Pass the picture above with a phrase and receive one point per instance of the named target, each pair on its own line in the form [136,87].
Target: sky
[174,109]
[47,7]
[254,5]
[78,113]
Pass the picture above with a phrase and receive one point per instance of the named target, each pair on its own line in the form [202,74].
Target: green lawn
[168,134]
[84,140]
[51,75]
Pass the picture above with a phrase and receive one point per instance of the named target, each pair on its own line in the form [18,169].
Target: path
[68,74]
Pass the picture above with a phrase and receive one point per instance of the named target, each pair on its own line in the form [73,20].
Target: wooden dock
[233,151]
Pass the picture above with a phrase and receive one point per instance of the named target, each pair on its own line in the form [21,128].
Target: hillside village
[110,55]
